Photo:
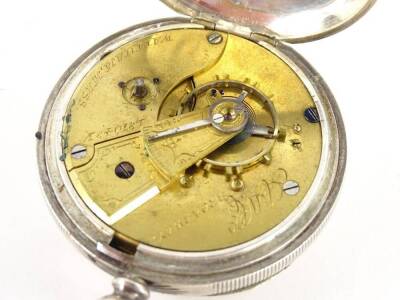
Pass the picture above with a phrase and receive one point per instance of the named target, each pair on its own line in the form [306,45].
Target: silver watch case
[206,273]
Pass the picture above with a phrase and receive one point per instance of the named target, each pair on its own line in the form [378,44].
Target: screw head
[291,187]
[296,144]
[218,118]
[311,114]
[215,38]
[124,170]
[78,152]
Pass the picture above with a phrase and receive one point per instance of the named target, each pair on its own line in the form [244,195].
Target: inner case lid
[287,20]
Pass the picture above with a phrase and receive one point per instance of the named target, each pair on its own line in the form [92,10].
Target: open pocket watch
[197,155]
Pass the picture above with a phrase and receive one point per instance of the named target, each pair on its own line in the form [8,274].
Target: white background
[357,255]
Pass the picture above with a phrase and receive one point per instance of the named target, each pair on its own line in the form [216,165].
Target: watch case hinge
[207,24]
[236,29]
[270,39]
[224,26]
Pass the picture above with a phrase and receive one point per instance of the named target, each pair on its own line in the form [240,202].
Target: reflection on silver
[185,272]
[129,289]
[289,20]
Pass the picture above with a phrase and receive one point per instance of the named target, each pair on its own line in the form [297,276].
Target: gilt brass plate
[191,140]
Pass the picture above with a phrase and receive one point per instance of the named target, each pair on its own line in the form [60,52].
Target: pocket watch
[197,155]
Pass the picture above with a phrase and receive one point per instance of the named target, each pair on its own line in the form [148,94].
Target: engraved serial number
[184,221]
[110,62]
[242,208]
[115,131]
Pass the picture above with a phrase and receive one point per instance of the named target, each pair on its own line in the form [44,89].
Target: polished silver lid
[288,20]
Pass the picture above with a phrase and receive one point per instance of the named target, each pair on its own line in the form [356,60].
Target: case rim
[180,272]
[297,22]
